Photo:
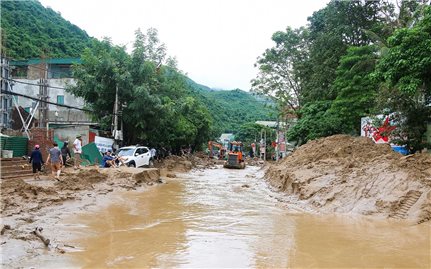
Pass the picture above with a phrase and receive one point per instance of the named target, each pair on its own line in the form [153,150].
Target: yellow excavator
[235,158]
[212,145]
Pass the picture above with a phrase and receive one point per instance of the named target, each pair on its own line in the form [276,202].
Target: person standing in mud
[56,161]
[77,150]
[36,161]
[153,153]
[64,152]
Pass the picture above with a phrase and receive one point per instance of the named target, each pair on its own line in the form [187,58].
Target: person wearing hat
[36,161]
[77,150]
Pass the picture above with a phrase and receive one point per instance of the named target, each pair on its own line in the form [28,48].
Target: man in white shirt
[153,153]
[77,150]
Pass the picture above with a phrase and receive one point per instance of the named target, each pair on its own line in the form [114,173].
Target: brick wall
[39,137]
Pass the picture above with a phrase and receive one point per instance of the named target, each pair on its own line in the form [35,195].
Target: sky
[216,42]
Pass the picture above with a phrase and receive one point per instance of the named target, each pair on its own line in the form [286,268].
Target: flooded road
[229,218]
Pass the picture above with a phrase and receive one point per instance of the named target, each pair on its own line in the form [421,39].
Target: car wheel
[131,164]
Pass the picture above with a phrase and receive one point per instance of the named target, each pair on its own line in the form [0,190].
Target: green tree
[332,30]
[104,67]
[356,89]
[30,30]
[278,75]
[406,71]
[156,109]
[249,133]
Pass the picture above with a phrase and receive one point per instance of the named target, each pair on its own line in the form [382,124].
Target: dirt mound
[147,176]
[81,180]
[354,175]
[20,196]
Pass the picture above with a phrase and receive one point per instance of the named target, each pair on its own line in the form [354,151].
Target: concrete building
[27,77]
[6,100]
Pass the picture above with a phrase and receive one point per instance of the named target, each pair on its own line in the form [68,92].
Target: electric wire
[34,84]
[44,101]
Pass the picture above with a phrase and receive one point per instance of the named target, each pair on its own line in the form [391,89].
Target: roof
[48,61]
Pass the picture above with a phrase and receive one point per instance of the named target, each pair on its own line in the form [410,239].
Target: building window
[60,99]
[27,109]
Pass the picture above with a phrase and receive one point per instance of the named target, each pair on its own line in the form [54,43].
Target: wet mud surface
[207,217]
[229,218]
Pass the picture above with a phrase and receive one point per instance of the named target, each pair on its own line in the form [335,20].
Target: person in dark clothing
[37,161]
[64,152]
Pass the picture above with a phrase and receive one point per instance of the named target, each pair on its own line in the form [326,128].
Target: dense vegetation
[353,59]
[156,108]
[161,105]
[231,109]
[30,30]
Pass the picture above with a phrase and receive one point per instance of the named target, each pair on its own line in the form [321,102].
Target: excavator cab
[221,151]
[235,157]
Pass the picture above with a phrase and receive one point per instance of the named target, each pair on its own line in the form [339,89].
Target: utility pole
[118,135]
[43,95]
[263,144]
[277,140]
[114,133]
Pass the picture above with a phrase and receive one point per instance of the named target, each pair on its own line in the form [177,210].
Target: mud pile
[22,196]
[344,174]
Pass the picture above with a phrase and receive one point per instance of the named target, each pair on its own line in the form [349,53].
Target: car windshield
[126,152]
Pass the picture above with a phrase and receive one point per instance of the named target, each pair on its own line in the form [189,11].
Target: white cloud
[216,42]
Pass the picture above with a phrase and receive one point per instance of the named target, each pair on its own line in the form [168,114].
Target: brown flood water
[209,219]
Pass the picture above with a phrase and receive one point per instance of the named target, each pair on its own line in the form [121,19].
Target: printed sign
[380,134]
[103,144]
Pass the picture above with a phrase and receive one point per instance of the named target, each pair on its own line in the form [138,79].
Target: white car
[136,156]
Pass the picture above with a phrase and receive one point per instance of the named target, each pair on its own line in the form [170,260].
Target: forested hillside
[163,105]
[353,59]
[231,109]
[30,30]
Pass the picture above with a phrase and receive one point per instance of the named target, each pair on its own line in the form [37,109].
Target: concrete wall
[69,133]
[64,114]
[36,71]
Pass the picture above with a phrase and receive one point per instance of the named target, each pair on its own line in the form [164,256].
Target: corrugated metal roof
[48,61]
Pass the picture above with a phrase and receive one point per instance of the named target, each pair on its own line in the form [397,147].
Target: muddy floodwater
[229,218]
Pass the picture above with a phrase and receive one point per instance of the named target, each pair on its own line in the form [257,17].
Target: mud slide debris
[344,174]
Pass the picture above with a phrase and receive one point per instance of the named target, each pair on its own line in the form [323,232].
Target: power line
[43,101]
[33,84]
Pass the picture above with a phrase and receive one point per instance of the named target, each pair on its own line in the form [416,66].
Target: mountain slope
[231,109]
[30,30]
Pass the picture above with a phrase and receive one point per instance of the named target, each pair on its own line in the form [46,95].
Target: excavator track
[406,203]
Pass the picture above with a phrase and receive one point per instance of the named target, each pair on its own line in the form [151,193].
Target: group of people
[109,161]
[56,158]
